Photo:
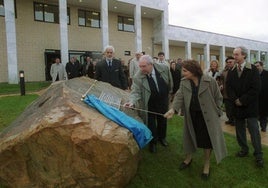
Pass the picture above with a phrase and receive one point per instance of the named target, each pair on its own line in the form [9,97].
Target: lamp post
[22,83]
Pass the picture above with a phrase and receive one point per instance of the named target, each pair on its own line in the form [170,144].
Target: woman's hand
[169,113]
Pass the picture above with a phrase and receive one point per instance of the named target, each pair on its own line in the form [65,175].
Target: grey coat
[140,89]
[210,100]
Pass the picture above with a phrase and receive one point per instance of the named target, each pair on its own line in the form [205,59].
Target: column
[64,31]
[206,56]
[137,18]
[266,61]
[188,50]
[222,57]
[12,59]
[249,56]
[258,58]
[104,23]
[165,42]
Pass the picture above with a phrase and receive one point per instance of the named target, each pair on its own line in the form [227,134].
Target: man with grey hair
[134,65]
[110,70]
[150,88]
[243,87]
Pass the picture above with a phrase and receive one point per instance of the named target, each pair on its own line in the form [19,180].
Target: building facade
[34,32]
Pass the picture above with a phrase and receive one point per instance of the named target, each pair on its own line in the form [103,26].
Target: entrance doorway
[50,56]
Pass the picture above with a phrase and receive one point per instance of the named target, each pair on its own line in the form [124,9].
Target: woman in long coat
[200,98]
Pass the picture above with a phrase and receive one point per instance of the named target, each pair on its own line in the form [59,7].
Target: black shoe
[204,176]
[259,163]
[152,147]
[183,165]
[163,142]
[263,130]
[242,154]
[228,122]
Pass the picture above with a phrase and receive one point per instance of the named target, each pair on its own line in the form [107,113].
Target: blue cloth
[140,131]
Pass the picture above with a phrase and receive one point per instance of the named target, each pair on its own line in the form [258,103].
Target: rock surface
[59,141]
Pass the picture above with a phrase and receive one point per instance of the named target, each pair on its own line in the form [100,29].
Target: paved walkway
[231,130]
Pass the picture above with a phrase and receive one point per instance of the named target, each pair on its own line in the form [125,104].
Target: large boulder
[59,141]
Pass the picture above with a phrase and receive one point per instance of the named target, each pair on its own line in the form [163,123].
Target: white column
[165,42]
[188,50]
[12,60]
[137,18]
[249,56]
[222,57]
[64,31]
[266,61]
[206,56]
[104,23]
[258,56]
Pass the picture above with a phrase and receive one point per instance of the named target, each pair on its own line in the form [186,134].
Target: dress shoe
[242,154]
[184,165]
[263,130]
[228,122]
[152,147]
[163,142]
[204,176]
[259,163]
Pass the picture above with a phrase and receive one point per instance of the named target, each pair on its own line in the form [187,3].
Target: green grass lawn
[15,88]
[160,170]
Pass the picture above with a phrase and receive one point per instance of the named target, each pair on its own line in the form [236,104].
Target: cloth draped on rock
[140,131]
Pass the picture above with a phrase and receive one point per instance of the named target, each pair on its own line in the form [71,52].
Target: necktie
[152,83]
[110,63]
[239,70]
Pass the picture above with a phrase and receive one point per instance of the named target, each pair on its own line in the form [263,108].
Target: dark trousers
[263,122]
[229,108]
[253,129]
[158,126]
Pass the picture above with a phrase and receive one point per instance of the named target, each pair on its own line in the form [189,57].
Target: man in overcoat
[243,87]
[263,96]
[151,87]
[110,70]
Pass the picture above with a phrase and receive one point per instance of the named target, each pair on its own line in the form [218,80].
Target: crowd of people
[163,88]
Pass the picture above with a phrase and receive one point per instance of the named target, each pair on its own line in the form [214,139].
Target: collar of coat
[204,83]
[247,65]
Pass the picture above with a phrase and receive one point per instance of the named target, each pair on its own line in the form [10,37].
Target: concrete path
[231,130]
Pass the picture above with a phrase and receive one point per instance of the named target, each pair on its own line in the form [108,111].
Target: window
[125,24]
[2,8]
[48,13]
[88,18]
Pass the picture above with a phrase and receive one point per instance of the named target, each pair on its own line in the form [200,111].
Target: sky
[240,18]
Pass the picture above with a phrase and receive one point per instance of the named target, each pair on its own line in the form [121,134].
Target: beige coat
[210,100]
[140,89]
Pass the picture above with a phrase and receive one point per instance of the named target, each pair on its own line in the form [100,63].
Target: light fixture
[115,7]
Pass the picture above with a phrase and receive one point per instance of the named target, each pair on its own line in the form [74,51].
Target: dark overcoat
[113,75]
[246,88]
[263,96]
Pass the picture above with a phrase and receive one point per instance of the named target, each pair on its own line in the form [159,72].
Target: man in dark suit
[263,99]
[73,68]
[110,70]
[88,68]
[243,87]
[150,89]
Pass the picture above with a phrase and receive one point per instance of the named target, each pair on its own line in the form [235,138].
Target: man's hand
[128,105]
[169,113]
[238,103]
